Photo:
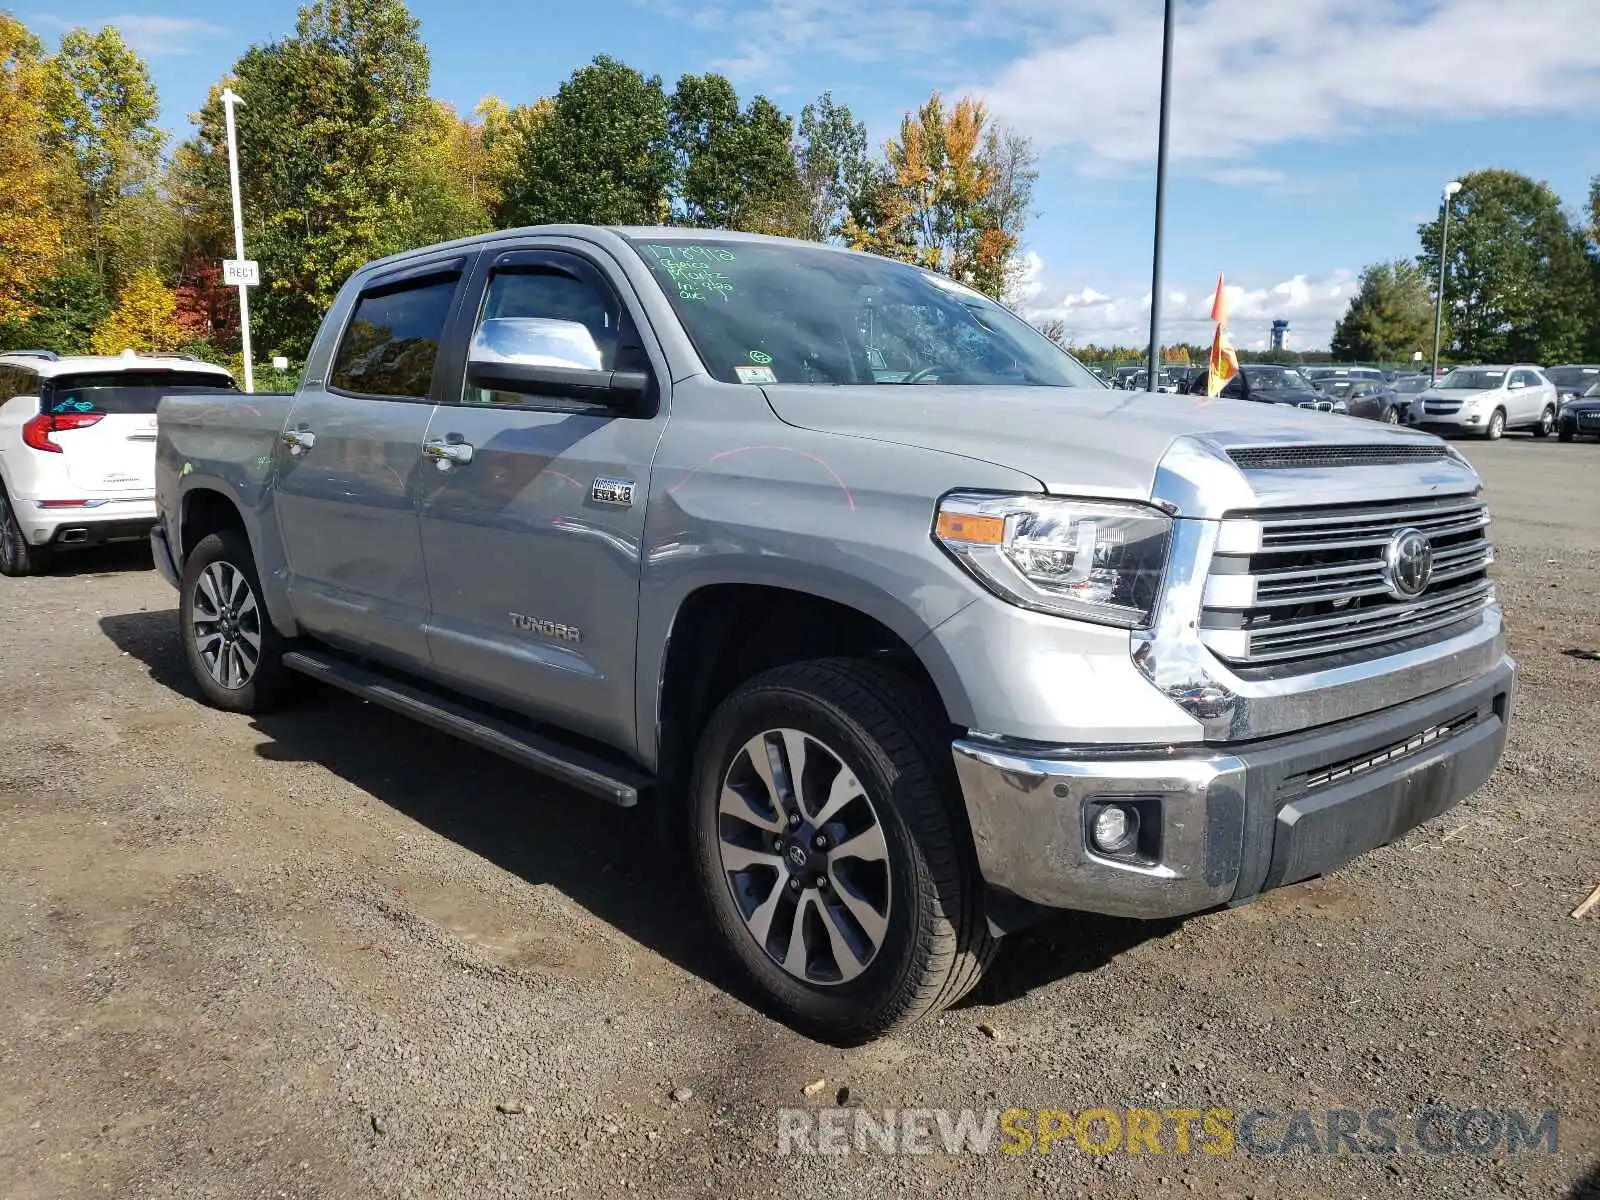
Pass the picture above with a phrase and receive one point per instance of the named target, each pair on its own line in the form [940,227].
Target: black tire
[1567,432]
[1391,415]
[1496,426]
[937,942]
[270,682]
[17,557]
[1547,423]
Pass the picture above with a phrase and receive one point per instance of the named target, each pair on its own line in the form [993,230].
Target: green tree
[1389,317]
[29,230]
[1519,280]
[101,109]
[735,169]
[835,169]
[601,155]
[328,139]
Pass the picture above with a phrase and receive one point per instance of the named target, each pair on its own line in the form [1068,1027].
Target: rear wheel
[829,848]
[1547,422]
[234,653]
[1497,425]
[17,557]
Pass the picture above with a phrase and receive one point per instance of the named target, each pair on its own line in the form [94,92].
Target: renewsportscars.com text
[1265,1132]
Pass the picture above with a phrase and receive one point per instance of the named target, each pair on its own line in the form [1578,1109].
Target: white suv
[1487,401]
[77,448]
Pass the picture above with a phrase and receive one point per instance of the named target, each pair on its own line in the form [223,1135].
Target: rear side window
[392,342]
[117,393]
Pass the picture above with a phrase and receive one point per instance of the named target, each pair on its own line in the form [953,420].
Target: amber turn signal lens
[964,527]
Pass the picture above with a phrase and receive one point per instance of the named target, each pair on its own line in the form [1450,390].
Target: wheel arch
[724,631]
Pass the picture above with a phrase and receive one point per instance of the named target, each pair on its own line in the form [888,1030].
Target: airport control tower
[1280,334]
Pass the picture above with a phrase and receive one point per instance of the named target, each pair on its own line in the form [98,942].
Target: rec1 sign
[241,272]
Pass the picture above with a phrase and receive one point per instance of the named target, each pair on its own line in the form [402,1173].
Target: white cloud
[1083,76]
[1248,75]
[1310,305]
[150,34]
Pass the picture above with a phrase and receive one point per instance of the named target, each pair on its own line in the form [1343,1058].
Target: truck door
[349,460]
[533,512]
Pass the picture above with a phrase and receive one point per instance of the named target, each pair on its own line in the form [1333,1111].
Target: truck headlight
[1095,560]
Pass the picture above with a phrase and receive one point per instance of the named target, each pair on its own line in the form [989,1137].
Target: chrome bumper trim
[1027,817]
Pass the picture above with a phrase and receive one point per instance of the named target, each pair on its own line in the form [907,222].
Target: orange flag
[1224,363]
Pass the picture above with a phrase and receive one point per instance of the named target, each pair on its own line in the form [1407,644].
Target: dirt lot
[318,954]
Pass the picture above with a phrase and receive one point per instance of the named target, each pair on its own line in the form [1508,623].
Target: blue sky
[1310,136]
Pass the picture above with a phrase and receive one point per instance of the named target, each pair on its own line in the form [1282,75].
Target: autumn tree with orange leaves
[952,196]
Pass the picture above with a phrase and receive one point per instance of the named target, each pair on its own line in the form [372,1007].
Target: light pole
[229,99]
[1450,189]
[1152,376]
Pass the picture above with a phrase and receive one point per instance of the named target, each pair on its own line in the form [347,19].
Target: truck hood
[1080,441]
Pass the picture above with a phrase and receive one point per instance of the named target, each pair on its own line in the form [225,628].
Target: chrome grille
[1287,586]
[1441,407]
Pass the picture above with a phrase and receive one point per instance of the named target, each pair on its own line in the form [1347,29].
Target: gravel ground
[331,953]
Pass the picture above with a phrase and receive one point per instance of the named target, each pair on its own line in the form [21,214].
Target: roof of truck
[48,364]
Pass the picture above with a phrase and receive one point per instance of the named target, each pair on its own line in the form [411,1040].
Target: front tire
[1497,425]
[17,556]
[1547,423]
[830,849]
[233,651]
[1391,415]
[1567,432]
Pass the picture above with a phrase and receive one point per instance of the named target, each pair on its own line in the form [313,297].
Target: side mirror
[542,355]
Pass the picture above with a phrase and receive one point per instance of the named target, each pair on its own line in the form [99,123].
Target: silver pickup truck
[911,626]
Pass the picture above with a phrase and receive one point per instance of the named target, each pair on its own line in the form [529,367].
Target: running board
[588,772]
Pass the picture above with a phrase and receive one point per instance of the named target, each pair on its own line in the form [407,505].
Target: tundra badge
[546,628]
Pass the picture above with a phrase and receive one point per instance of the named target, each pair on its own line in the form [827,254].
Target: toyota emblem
[1408,564]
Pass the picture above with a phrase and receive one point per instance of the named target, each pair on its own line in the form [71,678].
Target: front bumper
[1233,820]
[1456,422]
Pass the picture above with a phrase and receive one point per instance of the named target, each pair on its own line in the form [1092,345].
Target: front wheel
[830,850]
[234,653]
[1547,423]
[1497,425]
[1568,432]
[1391,415]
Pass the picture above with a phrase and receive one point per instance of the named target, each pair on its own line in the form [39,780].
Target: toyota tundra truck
[907,625]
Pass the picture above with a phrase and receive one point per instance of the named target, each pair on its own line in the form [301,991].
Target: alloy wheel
[226,625]
[804,856]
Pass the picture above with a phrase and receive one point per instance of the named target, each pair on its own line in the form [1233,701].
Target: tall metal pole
[1152,375]
[229,99]
[1438,299]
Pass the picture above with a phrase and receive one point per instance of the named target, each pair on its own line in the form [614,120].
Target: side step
[620,784]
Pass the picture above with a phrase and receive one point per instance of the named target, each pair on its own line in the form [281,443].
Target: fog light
[1115,829]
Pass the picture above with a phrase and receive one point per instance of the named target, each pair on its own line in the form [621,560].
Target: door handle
[447,453]
[299,440]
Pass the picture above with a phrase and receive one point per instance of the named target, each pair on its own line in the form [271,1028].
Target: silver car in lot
[1487,401]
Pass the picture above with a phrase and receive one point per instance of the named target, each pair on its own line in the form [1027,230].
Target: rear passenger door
[350,459]
[532,536]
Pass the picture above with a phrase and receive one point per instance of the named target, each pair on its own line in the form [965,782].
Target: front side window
[392,342]
[548,316]
[761,312]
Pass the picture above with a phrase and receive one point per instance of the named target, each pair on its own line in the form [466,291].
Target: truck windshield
[762,312]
